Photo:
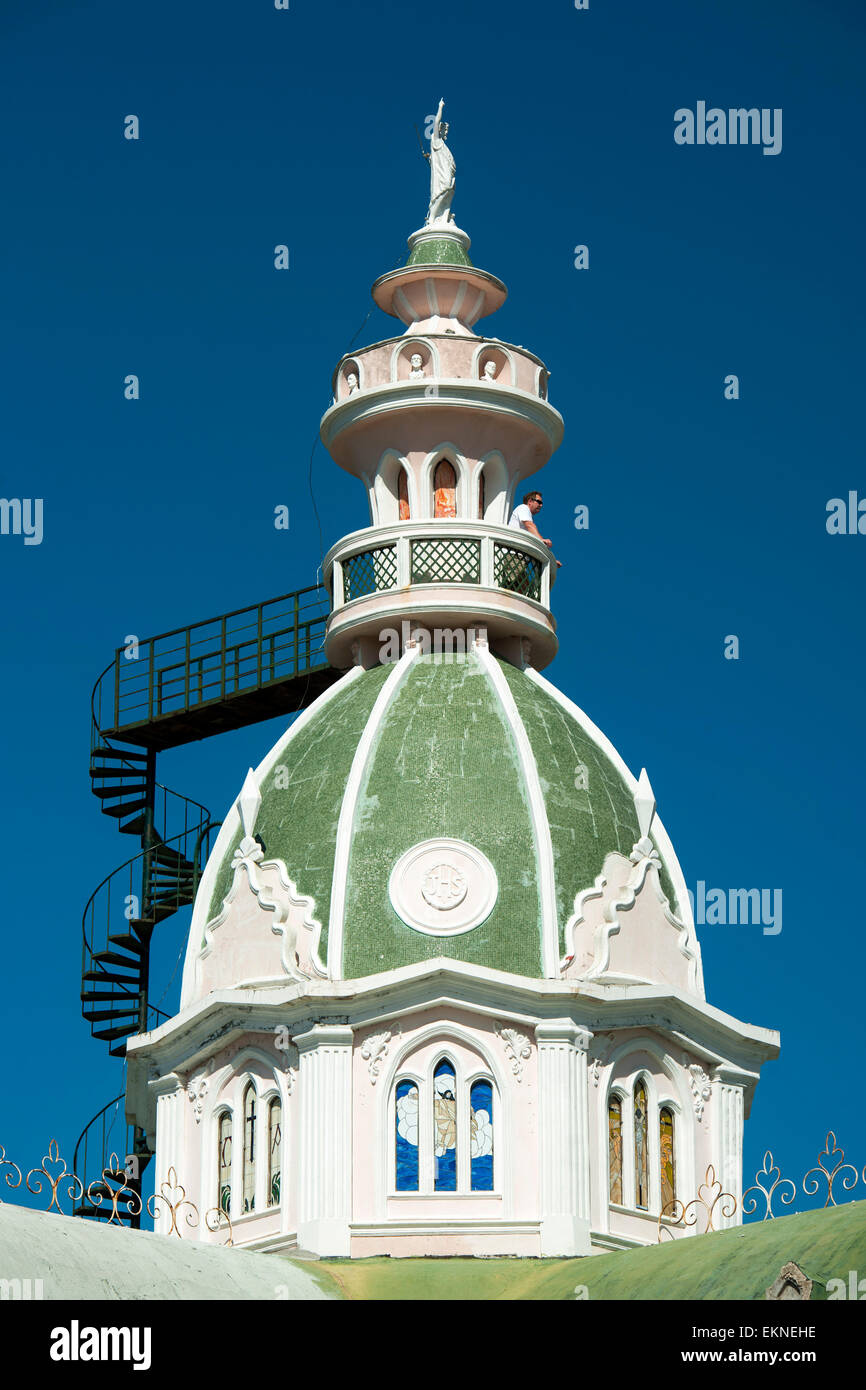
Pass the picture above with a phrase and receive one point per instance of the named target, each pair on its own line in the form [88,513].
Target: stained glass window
[641,1167]
[403,494]
[444,1128]
[614,1142]
[224,1161]
[275,1148]
[445,490]
[481,1136]
[666,1154]
[249,1170]
[407,1136]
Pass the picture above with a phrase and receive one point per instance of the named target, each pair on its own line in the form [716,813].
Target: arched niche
[350,378]
[402,365]
[490,478]
[494,365]
[393,479]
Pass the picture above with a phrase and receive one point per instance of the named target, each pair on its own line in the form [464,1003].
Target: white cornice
[508,401]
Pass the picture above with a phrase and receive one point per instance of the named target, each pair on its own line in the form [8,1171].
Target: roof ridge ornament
[249,803]
[645,805]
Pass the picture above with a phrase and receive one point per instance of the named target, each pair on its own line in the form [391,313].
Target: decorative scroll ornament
[7,1163]
[197,1090]
[685,1215]
[517,1048]
[702,1088]
[173,1196]
[767,1192]
[830,1151]
[53,1158]
[374,1052]
[113,1186]
[248,804]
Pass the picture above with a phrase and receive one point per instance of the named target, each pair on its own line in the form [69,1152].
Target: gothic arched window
[444,490]
[249,1163]
[224,1162]
[445,1128]
[614,1144]
[481,1136]
[666,1156]
[403,495]
[641,1160]
[275,1149]
[406,1139]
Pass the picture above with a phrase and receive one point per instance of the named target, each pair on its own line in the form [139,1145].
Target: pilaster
[325,1138]
[563,1137]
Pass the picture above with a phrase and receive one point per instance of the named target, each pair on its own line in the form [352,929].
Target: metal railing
[213,660]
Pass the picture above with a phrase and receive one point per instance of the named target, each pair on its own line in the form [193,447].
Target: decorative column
[171,1107]
[324,1150]
[563,1137]
[727,1145]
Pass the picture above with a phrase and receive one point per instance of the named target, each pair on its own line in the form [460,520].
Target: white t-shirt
[522,512]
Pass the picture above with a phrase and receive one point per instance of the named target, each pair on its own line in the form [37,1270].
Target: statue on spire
[442,168]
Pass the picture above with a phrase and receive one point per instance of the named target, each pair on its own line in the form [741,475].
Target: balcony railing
[419,553]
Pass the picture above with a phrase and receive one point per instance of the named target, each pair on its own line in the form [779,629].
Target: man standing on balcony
[523,519]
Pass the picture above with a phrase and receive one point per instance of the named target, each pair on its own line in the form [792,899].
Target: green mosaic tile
[444,251]
[298,822]
[444,763]
[586,822]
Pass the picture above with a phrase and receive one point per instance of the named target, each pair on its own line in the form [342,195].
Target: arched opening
[641,1156]
[275,1149]
[481,1136]
[249,1157]
[482,495]
[406,1136]
[444,490]
[224,1162]
[403,495]
[445,1128]
[666,1157]
[614,1144]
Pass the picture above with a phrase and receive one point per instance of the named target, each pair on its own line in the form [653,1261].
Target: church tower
[443,992]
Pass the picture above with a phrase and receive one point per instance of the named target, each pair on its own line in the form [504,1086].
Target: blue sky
[707,516]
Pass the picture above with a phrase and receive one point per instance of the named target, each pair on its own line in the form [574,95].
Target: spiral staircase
[188,684]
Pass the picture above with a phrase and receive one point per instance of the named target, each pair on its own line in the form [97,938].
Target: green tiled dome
[454,747]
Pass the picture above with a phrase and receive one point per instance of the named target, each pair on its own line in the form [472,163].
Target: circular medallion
[443,887]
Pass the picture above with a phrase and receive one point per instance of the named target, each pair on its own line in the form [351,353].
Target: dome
[441,806]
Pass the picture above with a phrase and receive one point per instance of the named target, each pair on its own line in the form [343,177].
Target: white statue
[352,382]
[416,367]
[489,372]
[442,169]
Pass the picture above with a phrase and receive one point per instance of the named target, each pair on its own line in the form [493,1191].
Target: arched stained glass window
[224,1162]
[444,490]
[403,494]
[481,1136]
[249,1165]
[275,1149]
[406,1136]
[641,1163]
[666,1155]
[614,1144]
[444,1128]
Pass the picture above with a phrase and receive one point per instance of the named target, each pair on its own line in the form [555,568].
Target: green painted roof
[740,1263]
[443,761]
[444,250]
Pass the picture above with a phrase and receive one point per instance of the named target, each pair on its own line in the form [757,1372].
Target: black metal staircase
[191,683]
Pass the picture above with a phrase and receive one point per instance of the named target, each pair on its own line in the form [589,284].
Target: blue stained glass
[481,1136]
[406,1101]
[444,1128]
